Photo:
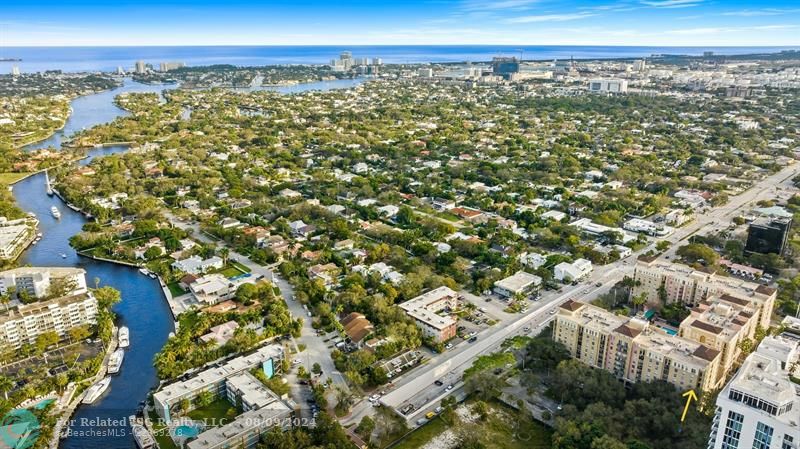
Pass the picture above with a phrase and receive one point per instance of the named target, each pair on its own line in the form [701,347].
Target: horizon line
[795,46]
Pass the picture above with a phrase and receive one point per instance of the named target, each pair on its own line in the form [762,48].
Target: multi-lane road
[418,387]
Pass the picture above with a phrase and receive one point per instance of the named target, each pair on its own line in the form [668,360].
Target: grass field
[422,435]
[175,289]
[161,433]
[241,267]
[11,178]
[214,413]
[503,428]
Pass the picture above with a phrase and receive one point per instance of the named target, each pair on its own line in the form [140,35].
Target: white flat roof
[270,415]
[176,391]
[518,281]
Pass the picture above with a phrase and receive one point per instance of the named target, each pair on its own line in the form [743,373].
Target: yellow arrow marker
[689,395]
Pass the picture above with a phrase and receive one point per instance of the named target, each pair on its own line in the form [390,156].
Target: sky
[399,22]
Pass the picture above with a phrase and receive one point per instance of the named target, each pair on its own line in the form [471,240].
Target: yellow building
[723,322]
[633,350]
[684,284]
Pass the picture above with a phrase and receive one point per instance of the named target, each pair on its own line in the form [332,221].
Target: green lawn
[230,272]
[233,269]
[502,429]
[212,413]
[241,267]
[175,289]
[11,178]
[499,432]
[163,439]
[449,217]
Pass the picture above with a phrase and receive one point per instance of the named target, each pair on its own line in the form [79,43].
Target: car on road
[438,383]
[449,387]
[430,415]
[407,409]
[526,329]
[438,410]
[473,339]
[296,362]
[598,284]
[374,397]
[552,311]
[448,346]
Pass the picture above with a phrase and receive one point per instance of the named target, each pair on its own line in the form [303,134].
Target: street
[417,387]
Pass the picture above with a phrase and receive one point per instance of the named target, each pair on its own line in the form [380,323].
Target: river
[143,307]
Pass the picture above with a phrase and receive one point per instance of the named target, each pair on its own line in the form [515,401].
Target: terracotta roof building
[357,327]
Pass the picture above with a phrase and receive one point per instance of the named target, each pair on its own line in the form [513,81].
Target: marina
[142,309]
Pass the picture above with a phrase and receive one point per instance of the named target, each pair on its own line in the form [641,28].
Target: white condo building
[36,281]
[760,406]
[73,305]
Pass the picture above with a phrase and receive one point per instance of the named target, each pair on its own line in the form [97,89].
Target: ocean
[79,59]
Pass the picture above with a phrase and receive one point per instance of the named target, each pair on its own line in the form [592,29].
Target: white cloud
[720,30]
[671,3]
[760,12]
[550,18]
[484,5]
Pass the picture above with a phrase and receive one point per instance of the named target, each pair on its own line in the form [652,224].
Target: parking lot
[403,362]
[491,306]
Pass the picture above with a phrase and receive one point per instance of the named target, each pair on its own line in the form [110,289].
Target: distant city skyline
[392,22]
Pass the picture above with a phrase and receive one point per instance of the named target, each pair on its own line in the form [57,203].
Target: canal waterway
[143,309]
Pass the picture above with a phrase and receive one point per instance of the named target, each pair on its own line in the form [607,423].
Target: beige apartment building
[688,286]
[722,322]
[428,312]
[633,350]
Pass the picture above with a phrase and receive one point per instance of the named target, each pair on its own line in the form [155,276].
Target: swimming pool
[188,430]
[669,330]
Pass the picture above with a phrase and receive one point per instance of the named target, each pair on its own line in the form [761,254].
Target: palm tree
[224,252]
[638,300]
[6,385]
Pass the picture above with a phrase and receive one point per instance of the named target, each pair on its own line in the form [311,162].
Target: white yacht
[143,438]
[55,212]
[115,361]
[123,337]
[96,390]
[144,271]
